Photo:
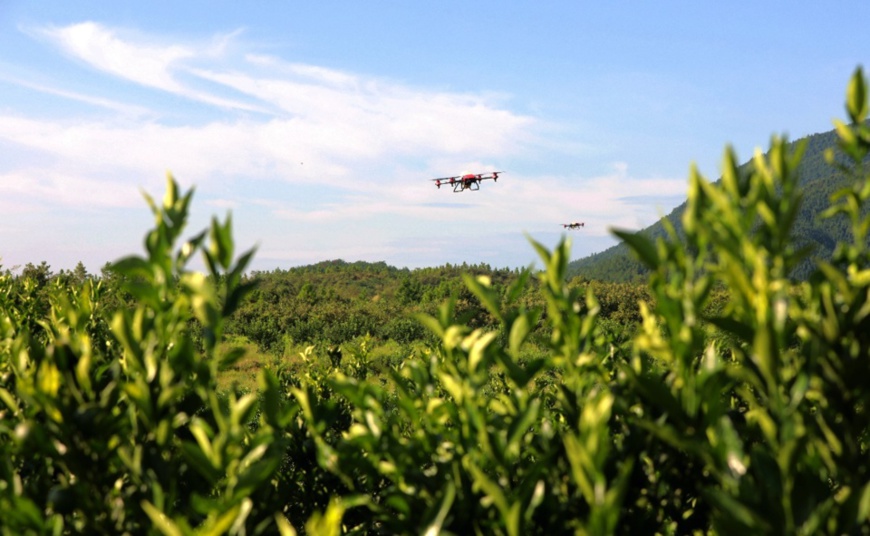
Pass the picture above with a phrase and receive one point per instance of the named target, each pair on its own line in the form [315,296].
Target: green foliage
[471,439]
[775,424]
[334,302]
[724,396]
[114,426]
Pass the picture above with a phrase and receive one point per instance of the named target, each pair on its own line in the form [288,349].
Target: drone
[573,225]
[469,181]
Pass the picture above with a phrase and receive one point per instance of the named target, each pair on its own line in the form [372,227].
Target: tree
[40,274]
[79,274]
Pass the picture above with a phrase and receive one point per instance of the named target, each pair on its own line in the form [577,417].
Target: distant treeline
[333,302]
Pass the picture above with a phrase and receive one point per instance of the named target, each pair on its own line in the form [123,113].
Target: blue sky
[318,124]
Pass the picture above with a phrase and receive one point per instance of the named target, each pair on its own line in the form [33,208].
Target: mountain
[818,181]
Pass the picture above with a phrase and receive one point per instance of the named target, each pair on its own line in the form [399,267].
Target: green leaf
[736,514]
[517,287]
[189,248]
[485,294]
[492,490]
[271,405]
[856,97]
[327,523]
[231,357]
[131,266]
[431,323]
[434,528]
[519,331]
[161,521]
[545,256]
[26,513]
[242,263]
[642,246]
[198,459]
[171,195]
[9,400]
[284,526]
[235,297]
[256,474]
[217,525]
[521,425]
[221,242]
[734,326]
[864,504]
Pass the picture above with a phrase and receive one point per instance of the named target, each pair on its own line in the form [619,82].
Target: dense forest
[720,395]
[332,303]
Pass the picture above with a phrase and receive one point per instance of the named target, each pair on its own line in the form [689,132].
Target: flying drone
[469,181]
[573,225]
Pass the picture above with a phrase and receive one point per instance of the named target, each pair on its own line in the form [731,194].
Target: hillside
[818,181]
[335,301]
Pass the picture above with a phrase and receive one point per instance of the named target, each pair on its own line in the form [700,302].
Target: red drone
[470,181]
[573,225]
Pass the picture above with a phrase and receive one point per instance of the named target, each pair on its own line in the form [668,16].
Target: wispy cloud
[370,116]
[314,125]
[144,60]
[534,202]
[353,150]
[140,62]
[42,189]
[129,110]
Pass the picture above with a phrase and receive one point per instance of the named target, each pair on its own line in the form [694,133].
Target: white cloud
[369,116]
[38,187]
[354,152]
[124,109]
[324,126]
[146,64]
[613,200]
[146,61]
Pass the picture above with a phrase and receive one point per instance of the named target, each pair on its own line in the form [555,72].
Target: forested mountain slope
[335,301]
[818,181]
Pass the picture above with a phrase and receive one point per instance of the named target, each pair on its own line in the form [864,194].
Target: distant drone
[470,181]
[573,225]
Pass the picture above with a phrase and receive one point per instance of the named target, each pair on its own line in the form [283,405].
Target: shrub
[120,430]
[738,411]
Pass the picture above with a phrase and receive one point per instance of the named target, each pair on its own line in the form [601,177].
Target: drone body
[469,181]
[573,225]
